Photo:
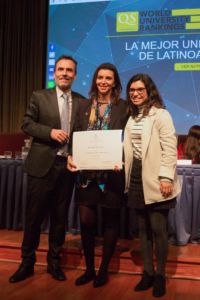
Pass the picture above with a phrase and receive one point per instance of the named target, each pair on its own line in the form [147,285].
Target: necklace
[102,102]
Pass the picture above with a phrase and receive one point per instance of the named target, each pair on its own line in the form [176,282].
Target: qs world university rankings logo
[127,21]
[158,20]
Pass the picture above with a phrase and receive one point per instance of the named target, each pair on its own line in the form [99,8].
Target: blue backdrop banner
[157,37]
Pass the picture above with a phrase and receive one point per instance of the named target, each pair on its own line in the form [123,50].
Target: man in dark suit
[49,120]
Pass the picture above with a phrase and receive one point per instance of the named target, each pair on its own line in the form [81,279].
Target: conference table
[184,219]
[183,222]
[13,198]
[13,185]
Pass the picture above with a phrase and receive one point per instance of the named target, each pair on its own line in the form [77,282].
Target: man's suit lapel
[53,102]
[74,110]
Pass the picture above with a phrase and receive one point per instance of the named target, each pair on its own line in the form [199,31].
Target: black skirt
[136,194]
[103,188]
[93,195]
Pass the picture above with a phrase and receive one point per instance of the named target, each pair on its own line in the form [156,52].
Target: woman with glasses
[150,148]
[103,111]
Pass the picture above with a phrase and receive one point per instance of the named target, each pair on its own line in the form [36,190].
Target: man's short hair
[67,57]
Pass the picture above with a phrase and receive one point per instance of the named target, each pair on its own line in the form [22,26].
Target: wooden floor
[120,285]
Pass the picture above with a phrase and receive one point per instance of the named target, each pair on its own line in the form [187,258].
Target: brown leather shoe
[56,272]
[23,272]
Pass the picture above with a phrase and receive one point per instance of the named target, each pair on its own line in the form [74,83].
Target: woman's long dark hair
[116,91]
[192,144]
[154,98]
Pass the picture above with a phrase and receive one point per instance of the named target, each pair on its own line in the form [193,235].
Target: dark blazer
[119,117]
[40,118]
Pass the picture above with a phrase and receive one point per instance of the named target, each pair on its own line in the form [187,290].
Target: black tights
[88,220]
[153,226]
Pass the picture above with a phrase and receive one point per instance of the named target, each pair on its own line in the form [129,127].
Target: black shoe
[100,280]
[85,278]
[145,283]
[159,286]
[23,272]
[56,272]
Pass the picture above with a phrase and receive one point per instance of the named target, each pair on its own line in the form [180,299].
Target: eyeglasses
[139,90]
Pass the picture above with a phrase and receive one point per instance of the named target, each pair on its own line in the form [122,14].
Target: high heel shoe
[85,278]
[159,286]
[100,280]
[145,283]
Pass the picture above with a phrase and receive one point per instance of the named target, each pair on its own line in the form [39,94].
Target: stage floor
[183,261]
[125,269]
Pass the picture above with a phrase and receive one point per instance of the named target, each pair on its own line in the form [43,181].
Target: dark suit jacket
[40,118]
[116,180]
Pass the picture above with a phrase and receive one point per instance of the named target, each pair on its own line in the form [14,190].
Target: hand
[70,165]
[59,135]
[166,188]
[117,169]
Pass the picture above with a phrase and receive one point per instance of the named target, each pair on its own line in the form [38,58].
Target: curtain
[23,31]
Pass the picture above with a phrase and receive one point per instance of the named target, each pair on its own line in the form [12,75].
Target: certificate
[97,149]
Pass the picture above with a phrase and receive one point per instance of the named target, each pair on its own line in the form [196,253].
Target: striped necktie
[64,118]
[65,114]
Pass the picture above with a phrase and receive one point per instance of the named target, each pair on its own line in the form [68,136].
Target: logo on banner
[127,21]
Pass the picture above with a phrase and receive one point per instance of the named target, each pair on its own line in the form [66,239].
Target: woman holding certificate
[103,111]
[151,180]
